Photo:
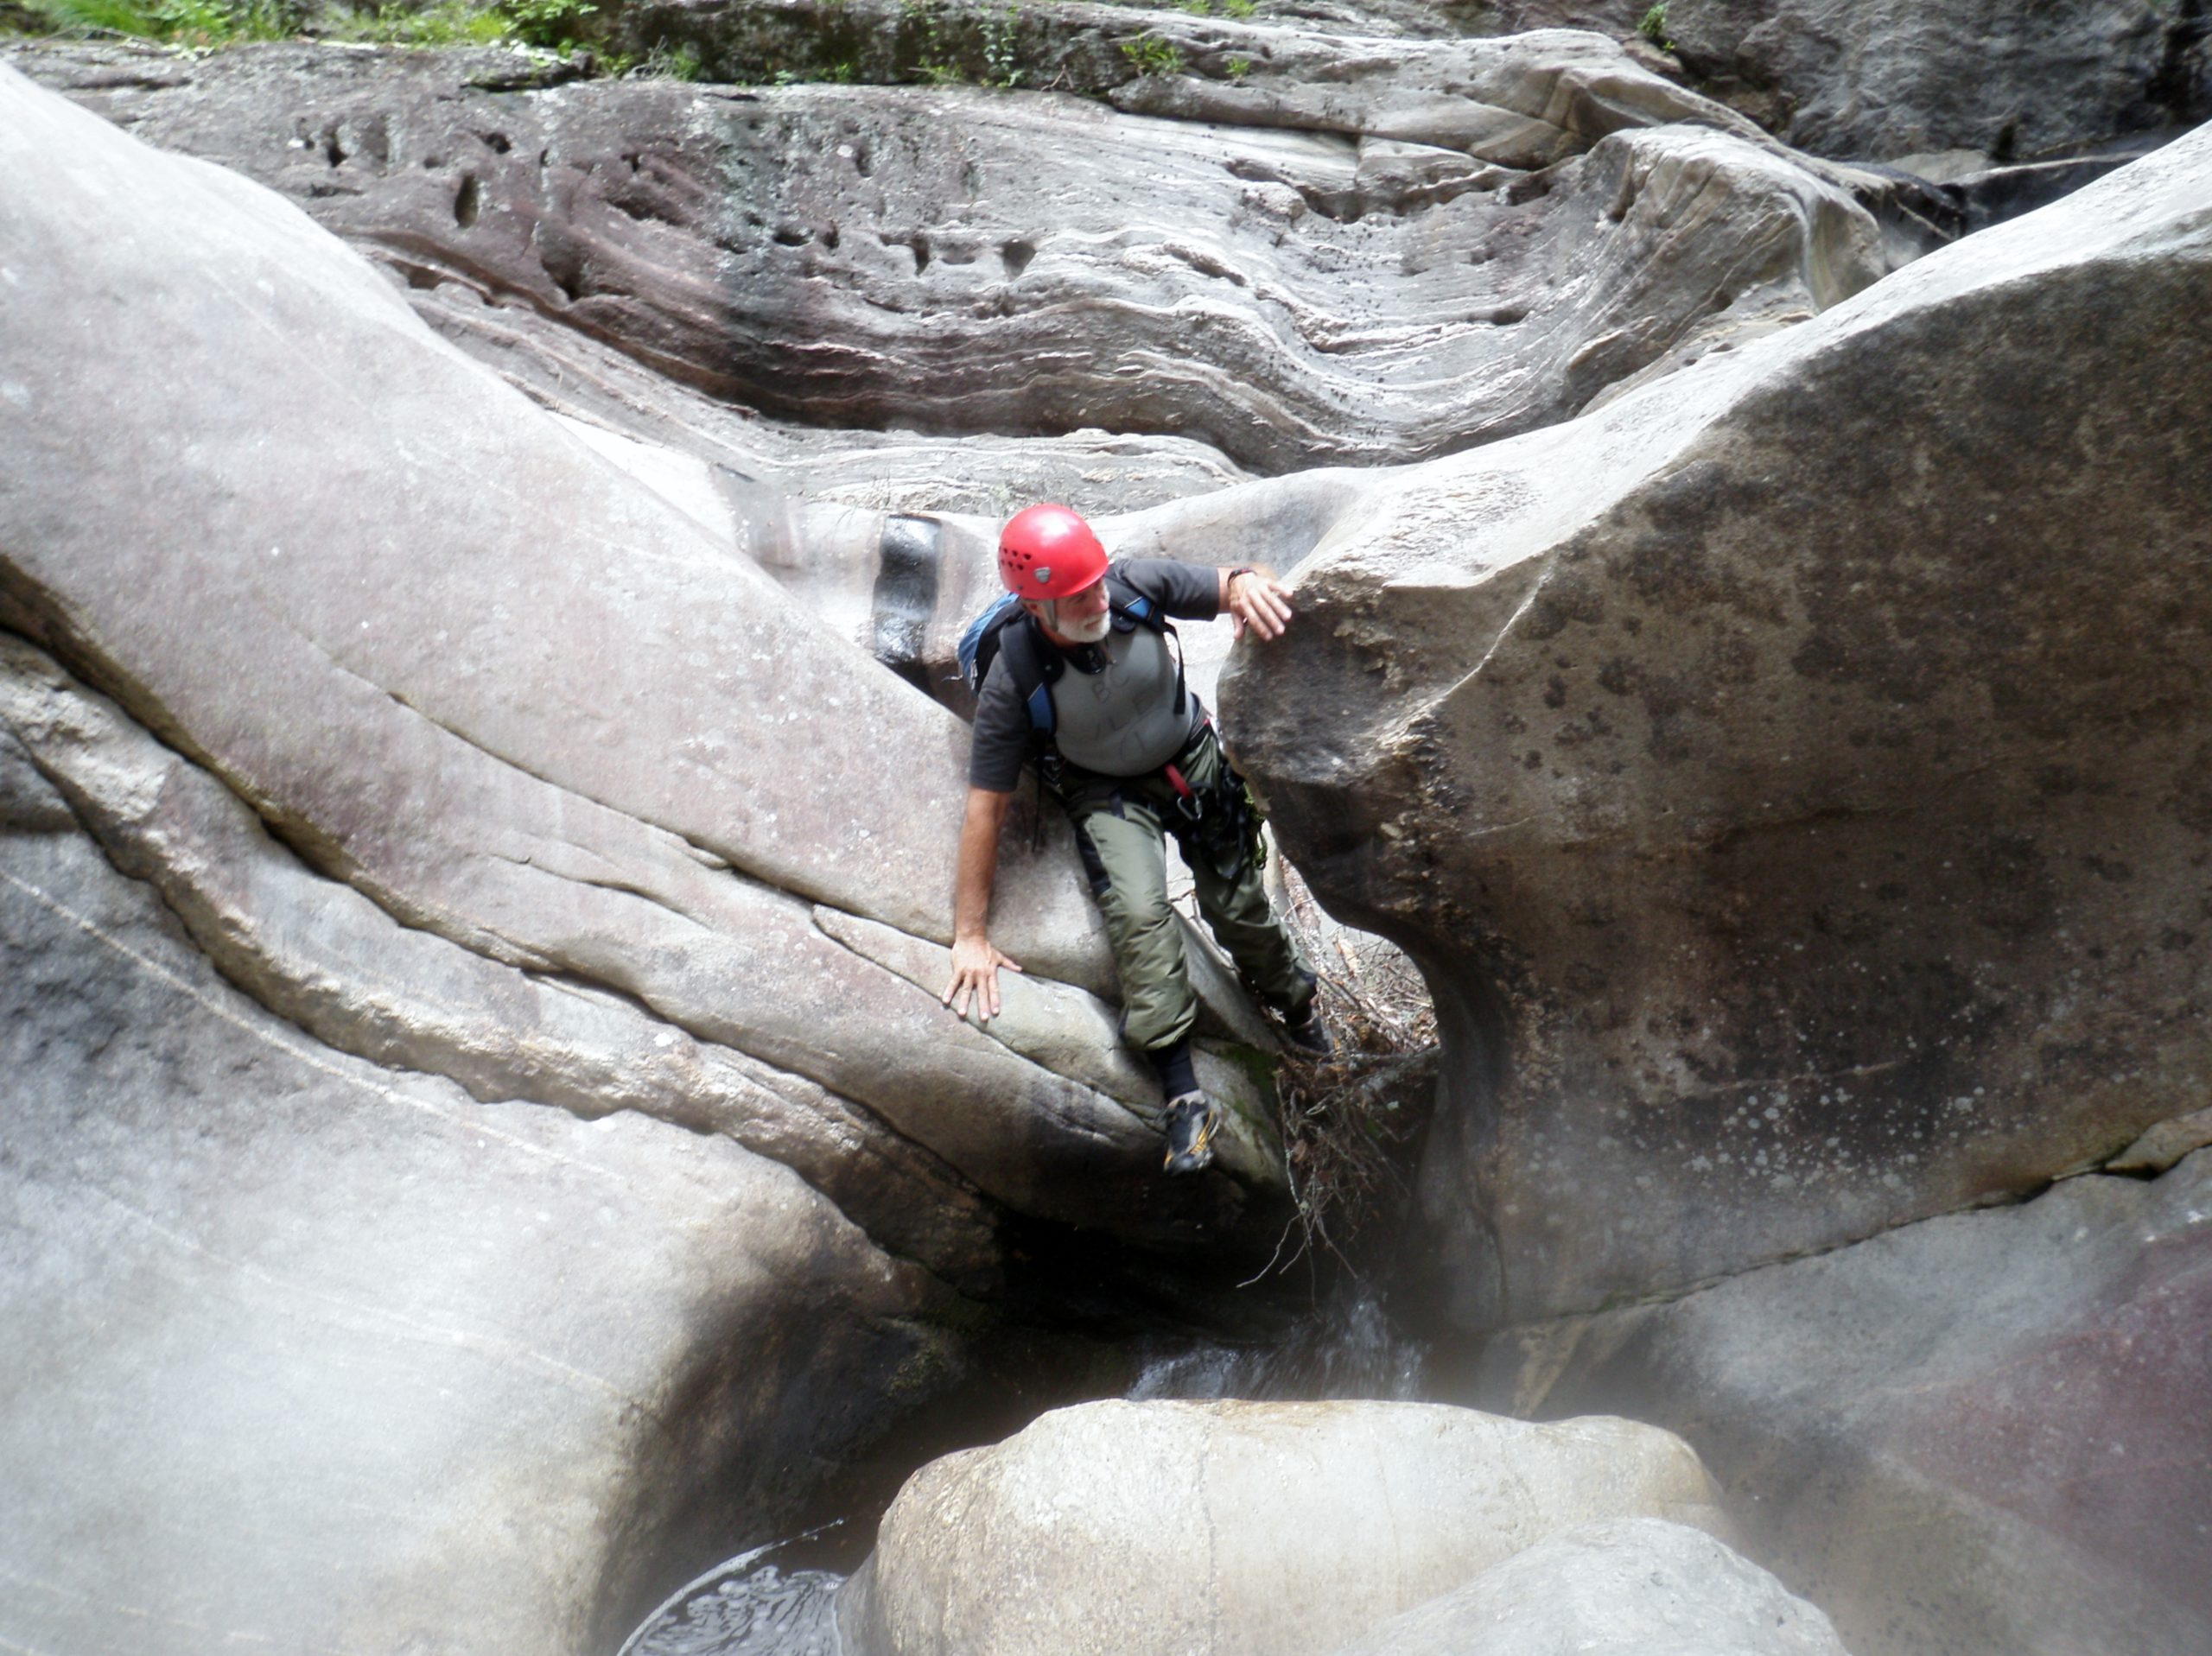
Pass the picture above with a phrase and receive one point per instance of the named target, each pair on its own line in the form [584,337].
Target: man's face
[1083,619]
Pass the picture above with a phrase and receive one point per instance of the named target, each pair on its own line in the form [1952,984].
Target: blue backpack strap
[1131,604]
[1033,669]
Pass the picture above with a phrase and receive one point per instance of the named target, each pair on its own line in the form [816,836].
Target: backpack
[1005,629]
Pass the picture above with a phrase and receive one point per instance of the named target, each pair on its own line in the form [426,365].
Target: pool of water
[773,1601]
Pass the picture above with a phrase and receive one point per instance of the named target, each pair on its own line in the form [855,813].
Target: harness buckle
[1186,798]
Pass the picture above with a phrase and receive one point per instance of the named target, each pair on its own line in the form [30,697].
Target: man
[1087,683]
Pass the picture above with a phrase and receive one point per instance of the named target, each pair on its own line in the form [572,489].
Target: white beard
[1089,632]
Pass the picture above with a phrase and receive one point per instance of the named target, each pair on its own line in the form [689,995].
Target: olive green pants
[1121,828]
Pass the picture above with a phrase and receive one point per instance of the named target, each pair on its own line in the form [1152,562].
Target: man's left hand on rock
[1254,598]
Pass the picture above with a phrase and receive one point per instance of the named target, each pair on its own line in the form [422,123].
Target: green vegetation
[1151,56]
[551,24]
[560,26]
[1653,27]
[189,22]
[667,62]
[932,42]
[450,22]
[1001,48]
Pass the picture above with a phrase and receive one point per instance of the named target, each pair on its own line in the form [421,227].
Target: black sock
[1172,1064]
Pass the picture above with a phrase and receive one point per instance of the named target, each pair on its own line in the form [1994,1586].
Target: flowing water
[780,1599]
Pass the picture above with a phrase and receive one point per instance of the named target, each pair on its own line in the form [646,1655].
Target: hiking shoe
[1310,1034]
[1190,1125]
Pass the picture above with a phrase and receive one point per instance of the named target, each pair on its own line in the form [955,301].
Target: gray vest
[1124,721]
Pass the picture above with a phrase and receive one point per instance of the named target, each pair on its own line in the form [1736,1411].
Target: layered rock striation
[1359,251]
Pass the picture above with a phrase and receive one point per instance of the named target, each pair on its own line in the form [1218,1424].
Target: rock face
[1791,777]
[1359,251]
[409,710]
[304,1349]
[1988,1432]
[501,622]
[1144,1529]
[1622,1587]
[1887,79]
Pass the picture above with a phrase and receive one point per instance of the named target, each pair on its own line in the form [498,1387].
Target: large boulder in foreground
[1792,777]
[1239,1529]
[1990,1431]
[308,1352]
[1619,1586]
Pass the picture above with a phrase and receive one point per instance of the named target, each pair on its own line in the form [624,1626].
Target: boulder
[1360,252]
[583,739]
[1790,777]
[306,1351]
[1883,80]
[1990,1431]
[1148,1529]
[1619,1587]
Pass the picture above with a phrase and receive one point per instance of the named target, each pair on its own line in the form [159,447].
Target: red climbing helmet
[1047,552]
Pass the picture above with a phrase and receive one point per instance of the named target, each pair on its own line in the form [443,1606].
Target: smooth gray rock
[1347,255]
[1275,1529]
[1882,78]
[322,955]
[1620,1586]
[582,736]
[1990,1431]
[304,1352]
[1790,778]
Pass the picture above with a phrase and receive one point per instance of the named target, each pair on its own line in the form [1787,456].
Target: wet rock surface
[1788,868]
[1146,1528]
[1988,1432]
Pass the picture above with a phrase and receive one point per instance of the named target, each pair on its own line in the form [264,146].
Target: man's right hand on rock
[976,977]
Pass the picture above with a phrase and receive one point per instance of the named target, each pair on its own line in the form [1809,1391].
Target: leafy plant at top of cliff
[666,62]
[1653,27]
[1239,8]
[923,28]
[1001,47]
[187,22]
[452,23]
[552,24]
[1152,56]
